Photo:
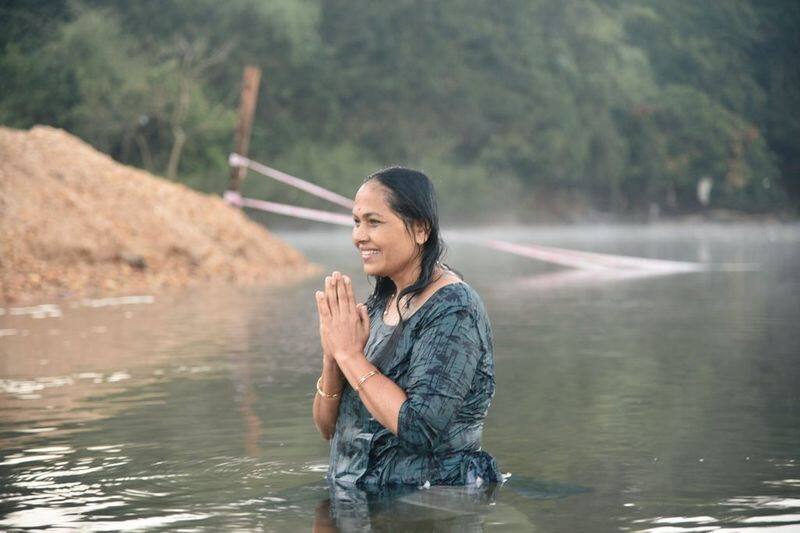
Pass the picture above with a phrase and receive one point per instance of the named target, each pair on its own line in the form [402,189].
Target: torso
[365,453]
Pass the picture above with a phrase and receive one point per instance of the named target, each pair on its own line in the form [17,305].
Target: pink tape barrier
[291,210]
[592,260]
[236,160]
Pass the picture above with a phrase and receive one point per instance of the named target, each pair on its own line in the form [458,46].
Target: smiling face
[387,247]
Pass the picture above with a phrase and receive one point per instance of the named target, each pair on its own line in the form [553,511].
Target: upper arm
[443,363]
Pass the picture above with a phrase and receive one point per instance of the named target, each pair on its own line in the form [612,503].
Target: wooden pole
[247,108]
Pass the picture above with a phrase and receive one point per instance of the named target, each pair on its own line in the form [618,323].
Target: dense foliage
[517,105]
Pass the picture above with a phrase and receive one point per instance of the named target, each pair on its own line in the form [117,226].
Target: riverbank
[75,223]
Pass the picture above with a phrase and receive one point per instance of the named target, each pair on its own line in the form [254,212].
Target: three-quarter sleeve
[442,365]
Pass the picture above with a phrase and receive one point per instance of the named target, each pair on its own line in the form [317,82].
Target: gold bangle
[364,378]
[323,393]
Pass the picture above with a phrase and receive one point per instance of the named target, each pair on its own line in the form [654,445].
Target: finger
[351,298]
[322,304]
[362,311]
[337,287]
[336,281]
[341,292]
[330,295]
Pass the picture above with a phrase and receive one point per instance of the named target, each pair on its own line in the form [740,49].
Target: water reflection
[414,508]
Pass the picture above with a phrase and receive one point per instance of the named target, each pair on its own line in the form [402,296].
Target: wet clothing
[444,363]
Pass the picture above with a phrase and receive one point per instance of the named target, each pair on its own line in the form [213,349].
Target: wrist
[355,367]
[330,366]
[345,356]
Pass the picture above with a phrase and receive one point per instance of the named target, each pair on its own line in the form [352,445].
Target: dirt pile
[74,222]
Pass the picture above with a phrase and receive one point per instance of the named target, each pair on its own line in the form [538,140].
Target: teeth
[369,252]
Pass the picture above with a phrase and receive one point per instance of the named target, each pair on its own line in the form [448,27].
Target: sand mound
[74,222]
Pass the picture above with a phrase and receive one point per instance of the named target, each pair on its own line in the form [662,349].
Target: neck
[409,276]
[406,278]
[401,282]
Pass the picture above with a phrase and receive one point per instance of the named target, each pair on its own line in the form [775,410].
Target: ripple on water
[756,513]
[65,487]
[70,518]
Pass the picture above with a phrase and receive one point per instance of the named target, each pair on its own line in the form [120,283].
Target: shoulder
[453,299]
[458,315]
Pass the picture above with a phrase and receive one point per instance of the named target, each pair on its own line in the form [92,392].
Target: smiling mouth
[366,254]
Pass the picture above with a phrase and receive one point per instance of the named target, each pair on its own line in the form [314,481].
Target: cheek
[400,250]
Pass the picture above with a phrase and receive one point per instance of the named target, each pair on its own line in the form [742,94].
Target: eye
[373,223]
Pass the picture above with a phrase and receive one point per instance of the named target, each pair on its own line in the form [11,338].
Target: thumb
[362,311]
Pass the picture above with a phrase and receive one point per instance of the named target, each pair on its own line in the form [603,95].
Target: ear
[421,233]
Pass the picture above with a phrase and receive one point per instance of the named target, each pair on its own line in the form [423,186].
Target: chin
[372,270]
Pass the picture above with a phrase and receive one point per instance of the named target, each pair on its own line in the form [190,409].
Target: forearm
[326,410]
[381,396]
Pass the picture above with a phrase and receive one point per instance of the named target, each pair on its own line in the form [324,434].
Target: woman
[407,378]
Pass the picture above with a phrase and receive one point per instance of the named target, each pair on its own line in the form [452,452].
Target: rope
[591,260]
[235,198]
[236,160]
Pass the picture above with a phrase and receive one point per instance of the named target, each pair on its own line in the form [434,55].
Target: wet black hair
[412,197]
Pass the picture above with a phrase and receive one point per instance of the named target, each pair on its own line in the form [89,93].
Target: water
[661,404]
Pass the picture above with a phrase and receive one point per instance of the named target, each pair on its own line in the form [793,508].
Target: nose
[358,235]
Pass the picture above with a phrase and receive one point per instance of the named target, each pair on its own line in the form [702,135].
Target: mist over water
[671,399]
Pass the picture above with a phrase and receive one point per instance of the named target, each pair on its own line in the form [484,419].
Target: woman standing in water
[407,378]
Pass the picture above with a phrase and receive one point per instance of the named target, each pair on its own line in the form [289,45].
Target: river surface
[661,403]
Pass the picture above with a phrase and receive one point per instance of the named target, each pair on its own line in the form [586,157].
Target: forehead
[371,198]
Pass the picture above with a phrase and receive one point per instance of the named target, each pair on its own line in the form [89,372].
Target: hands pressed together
[343,324]
[344,331]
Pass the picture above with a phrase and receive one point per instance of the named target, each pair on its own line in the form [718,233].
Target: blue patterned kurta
[444,363]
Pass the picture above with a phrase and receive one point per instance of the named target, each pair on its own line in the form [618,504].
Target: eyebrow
[365,215]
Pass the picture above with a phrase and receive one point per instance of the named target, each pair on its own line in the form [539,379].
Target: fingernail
[347,280]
